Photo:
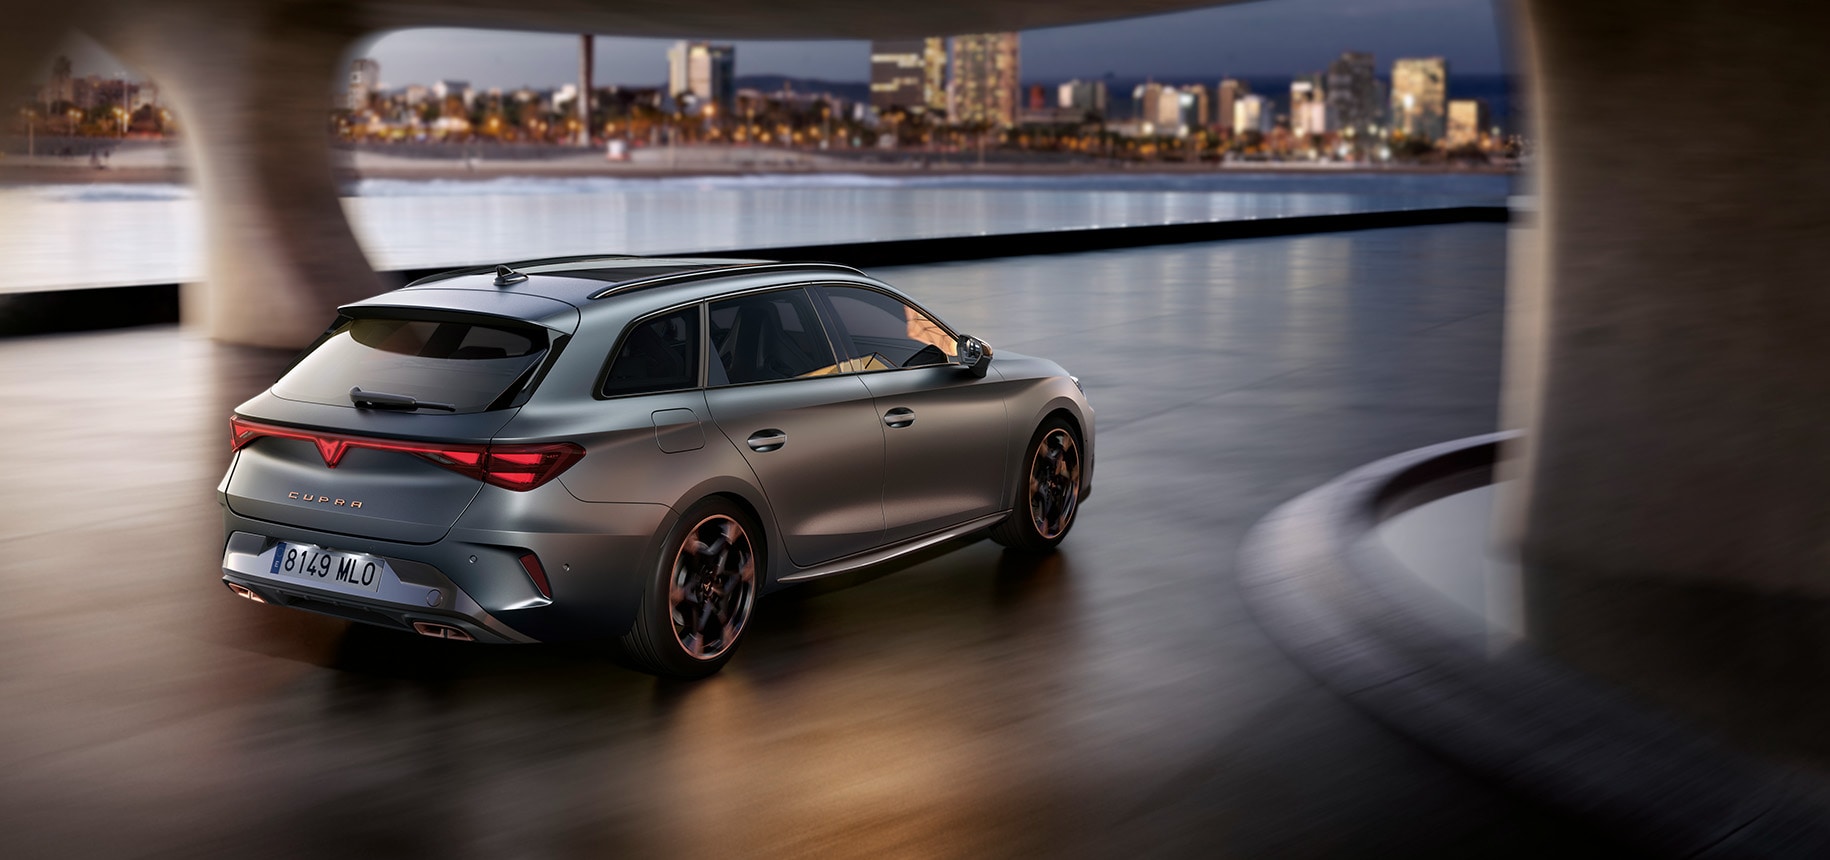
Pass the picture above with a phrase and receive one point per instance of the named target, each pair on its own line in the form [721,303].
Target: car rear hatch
[383,428]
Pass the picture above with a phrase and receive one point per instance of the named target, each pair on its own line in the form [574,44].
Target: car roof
[583,279]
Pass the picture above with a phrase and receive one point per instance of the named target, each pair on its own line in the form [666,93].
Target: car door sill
[878,556]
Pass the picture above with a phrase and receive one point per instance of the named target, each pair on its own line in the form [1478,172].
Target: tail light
[512,467]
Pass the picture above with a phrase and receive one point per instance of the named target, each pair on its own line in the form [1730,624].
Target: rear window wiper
[384,400]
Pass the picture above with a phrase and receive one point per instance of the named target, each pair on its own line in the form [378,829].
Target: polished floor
[1113,700]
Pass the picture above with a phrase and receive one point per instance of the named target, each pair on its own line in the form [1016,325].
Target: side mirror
[974,355]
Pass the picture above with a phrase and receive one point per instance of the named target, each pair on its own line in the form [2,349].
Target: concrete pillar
[252,88]
[586,44]
[1676,506]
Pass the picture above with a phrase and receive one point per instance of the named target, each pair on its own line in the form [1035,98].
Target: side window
[768,336]
[885,333]
[657,354]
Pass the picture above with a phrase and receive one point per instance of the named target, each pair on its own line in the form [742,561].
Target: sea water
[92,235]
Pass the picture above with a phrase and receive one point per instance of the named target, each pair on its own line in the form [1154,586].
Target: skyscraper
[1192,106]
[983,88]
[364,77]
[1420,88]
[1252,113]
[1088,97]
[1351,92]
[1227,96]
[1467,122]
[705,70]
[934,73]
[1308,105]
[898,78]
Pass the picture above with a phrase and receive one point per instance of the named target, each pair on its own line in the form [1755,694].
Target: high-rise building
[1351,91]
[1160,107]
[704,70]
[983,86]
[364,77]
[1467,122]
[1420,88]
[898,75]
[934,73]
[1088,97]
[1192,106]
[1308,105]
[1227,96]
[1252,113]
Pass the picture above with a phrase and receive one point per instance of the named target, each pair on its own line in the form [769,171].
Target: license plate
[321,565]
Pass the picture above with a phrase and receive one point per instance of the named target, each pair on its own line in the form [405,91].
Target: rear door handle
[767,440]
[899,417]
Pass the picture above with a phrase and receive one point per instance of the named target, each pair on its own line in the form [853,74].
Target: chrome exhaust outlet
[244,591]
[441,631]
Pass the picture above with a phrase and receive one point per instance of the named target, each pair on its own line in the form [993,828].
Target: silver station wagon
[635,449]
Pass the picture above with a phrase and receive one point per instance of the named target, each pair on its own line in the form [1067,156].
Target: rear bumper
[473,580]
[414,594]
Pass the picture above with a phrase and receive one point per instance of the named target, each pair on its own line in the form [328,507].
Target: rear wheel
[703,590]
[1047,492]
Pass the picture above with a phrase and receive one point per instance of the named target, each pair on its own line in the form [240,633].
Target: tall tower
[364,74]
[707,71]
[934,73]
[1351,92]
[898,75]
[1226,97]
[984,79]
[1420,89]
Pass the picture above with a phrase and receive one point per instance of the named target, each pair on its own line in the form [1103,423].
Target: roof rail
[520,266]
[720,272]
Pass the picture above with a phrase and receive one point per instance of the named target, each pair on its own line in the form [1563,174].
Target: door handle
[899,417]
[767,440]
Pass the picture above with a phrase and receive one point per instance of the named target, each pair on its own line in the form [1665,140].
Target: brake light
[512,467]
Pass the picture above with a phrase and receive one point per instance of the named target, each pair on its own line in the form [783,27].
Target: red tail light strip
[512,467]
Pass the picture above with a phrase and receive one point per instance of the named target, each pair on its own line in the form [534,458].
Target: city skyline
[1255,39]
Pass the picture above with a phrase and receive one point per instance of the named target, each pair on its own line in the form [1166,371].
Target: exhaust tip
[244,591]
[441,631]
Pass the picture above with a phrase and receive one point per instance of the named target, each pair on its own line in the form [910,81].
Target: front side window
[767,336]
[886,333]
[466,364]
[660,353]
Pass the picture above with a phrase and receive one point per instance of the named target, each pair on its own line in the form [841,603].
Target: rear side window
[658,354]
[467,364]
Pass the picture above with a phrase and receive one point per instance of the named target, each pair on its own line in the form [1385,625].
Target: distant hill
[853,90]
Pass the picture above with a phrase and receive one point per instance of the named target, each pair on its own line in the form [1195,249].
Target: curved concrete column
[252,88]
[1676,511]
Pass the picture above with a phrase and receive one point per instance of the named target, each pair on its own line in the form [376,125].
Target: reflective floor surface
[1112,700]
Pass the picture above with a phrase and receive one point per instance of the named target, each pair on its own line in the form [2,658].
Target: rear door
[811,436]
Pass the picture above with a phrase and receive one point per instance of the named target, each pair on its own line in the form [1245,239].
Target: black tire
[701,595]
[1047,493]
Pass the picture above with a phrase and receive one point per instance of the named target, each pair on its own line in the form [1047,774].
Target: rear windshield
[466,364]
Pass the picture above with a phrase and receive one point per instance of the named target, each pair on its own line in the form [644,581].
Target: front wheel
[1048,490]
[703,590]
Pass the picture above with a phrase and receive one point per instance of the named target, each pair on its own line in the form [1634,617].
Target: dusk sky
[1273,38]
[1277,37]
